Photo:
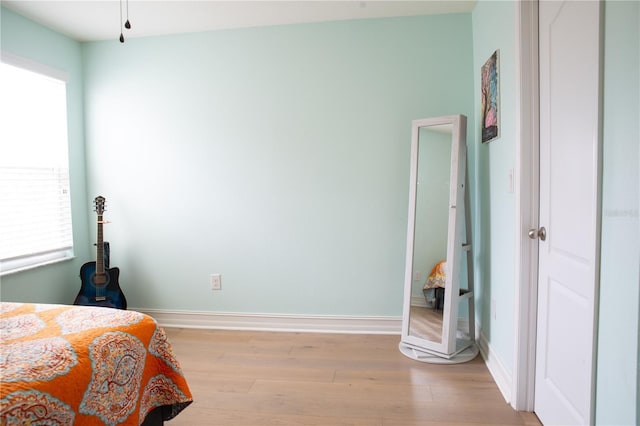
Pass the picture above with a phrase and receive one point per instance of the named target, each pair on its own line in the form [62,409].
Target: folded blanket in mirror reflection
[438,275]
[434,286]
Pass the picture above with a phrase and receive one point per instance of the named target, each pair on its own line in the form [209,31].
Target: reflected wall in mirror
[435,244]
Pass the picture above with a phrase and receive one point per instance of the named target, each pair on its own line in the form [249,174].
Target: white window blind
[35,204]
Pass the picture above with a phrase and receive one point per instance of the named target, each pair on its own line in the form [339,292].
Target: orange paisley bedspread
[65,365]
[438,276]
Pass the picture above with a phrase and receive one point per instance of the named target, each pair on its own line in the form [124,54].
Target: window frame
[31,261]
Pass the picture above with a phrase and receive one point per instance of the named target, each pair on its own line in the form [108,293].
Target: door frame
[527,204]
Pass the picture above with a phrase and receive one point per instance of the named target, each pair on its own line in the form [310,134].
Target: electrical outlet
[216,282]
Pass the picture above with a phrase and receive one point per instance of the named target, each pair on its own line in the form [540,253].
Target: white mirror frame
[449,347]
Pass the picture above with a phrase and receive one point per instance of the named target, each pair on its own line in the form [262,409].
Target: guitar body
[107,294]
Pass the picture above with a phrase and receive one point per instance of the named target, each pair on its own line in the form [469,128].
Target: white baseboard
[276,322]
[496,367]
[418,301]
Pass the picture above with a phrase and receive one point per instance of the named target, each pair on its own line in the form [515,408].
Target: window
[35,204]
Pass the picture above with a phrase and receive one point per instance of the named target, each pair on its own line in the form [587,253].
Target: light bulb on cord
[127,24]
[121,35]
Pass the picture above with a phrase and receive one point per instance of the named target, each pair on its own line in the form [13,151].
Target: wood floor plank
[418,375]
[319,405]
[245,378]
[373,393]
[473,391]
[228,369]
[250,418]
[530,419]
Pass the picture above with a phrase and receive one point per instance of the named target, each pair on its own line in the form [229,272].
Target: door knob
[538,233]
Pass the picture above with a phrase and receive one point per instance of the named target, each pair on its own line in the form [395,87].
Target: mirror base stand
[424,355]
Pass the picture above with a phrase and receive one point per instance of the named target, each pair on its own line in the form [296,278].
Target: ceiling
[92,20]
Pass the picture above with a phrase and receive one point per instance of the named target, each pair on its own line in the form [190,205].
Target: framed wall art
[490,95]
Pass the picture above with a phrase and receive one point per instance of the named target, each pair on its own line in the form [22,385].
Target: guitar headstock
[99,204]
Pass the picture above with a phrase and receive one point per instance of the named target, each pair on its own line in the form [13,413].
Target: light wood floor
[269,378]
[425,323]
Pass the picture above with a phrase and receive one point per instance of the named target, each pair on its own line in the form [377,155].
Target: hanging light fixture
[127,24]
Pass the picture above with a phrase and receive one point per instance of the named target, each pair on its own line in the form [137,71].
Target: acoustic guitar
[99,283]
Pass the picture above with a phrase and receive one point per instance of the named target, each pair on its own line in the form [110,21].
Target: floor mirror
[438,314]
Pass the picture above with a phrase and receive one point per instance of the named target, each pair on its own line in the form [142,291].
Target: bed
[65,365]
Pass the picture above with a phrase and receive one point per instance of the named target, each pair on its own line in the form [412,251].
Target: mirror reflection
[430,233]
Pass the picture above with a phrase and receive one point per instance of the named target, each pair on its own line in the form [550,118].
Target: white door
[569,200]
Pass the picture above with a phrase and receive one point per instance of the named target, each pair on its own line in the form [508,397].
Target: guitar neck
[100,248]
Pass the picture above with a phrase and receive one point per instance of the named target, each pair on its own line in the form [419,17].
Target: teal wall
[275,156]
[617,379]
[58,283]
[494,225]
